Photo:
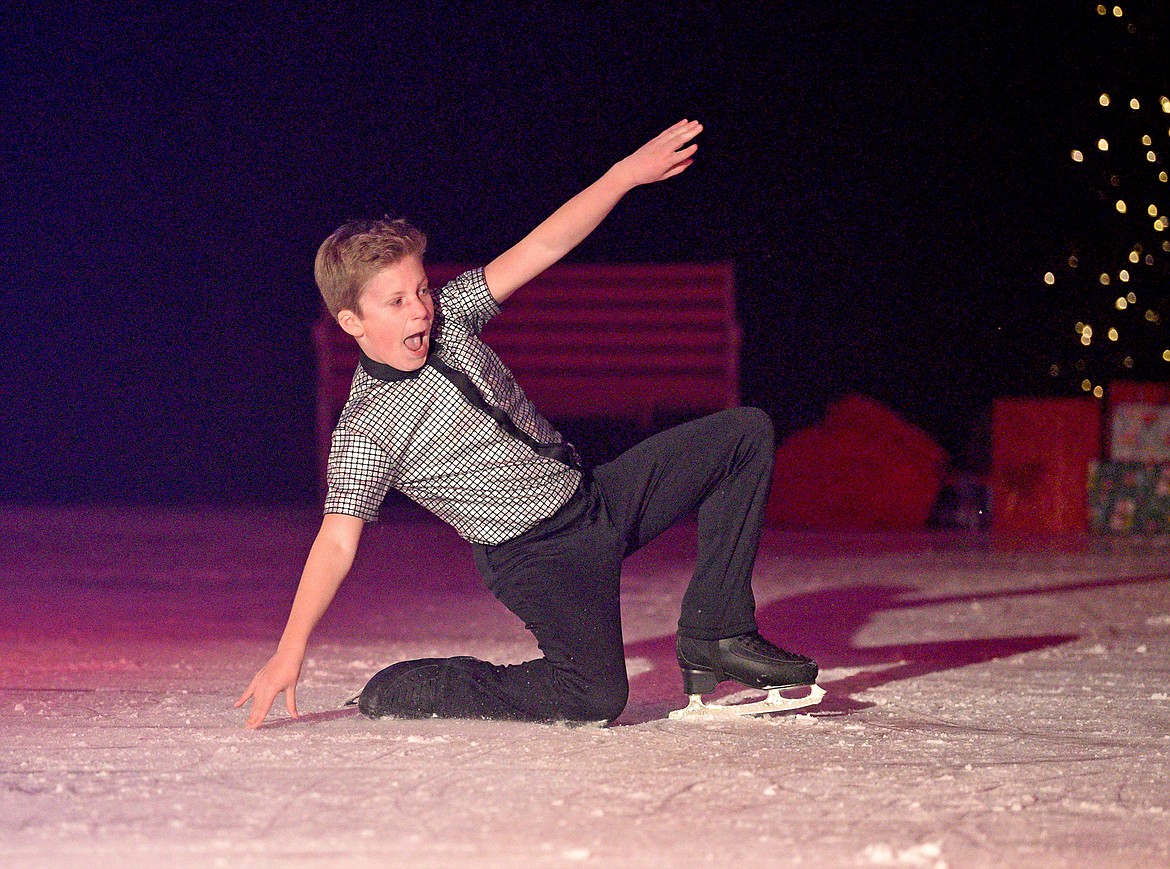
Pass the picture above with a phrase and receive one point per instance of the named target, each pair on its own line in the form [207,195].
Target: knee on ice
[602,699]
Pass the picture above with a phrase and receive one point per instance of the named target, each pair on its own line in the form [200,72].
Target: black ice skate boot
[748,659]
[403,690]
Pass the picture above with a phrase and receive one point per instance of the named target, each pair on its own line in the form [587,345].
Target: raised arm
[326,567]
[662,157]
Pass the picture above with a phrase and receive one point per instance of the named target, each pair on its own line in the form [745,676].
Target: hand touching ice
[280,674]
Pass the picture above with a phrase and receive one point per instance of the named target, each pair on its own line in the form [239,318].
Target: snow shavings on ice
[927,855]
[988,705]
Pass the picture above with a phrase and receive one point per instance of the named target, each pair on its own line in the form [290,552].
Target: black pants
[563,576]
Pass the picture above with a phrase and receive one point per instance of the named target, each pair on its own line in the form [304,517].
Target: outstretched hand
[664,156]
[279,674]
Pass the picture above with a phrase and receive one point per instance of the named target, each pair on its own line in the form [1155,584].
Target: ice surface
[988,705]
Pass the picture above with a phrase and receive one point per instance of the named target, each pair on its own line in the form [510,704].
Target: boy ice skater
[434,413]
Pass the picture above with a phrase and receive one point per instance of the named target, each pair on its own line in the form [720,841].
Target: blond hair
[355,252]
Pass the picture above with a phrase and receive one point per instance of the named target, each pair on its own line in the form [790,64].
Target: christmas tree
[1113,279]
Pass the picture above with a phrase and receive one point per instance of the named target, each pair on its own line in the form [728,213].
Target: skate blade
[352,701]
[774,702]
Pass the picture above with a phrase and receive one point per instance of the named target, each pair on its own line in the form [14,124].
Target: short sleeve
[359,475]
[466,303]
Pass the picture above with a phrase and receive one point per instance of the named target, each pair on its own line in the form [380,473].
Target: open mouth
[414,342]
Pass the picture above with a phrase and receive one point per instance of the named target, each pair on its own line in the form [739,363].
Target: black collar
[382,371]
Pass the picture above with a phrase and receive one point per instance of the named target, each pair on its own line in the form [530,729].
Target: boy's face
[394,326]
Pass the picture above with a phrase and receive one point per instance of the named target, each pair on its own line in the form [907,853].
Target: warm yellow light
[1131,298]
[1124,275]
[1152,316]
[1098,392]
[1165,101]
[1101,10]
[1121,304]
[1121,208]
[1165,247]
[1160,224]
[1049,278]
[1117,13]
[1127,362]
[1086,385]
[1134,104]
[1166,355]
[1077,156]
[1162,176]
[1134,256]
[1152,211]
[1112,334]
[1147,141]
[1104,279]
[1102,145]
[1103,99]
[1151,157]
[1080,327]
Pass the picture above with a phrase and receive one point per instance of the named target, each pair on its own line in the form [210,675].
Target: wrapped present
[1041,451]
[1129,497]
[1137,392]
[1139,433]
[863,469]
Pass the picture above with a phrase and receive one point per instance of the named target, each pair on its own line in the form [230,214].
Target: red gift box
[1041,450]
[1134,392]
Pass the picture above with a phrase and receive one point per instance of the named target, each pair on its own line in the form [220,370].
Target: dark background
[890,179]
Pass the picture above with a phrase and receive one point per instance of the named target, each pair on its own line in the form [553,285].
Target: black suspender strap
[560,452]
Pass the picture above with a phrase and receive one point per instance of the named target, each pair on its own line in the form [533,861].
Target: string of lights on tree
[1116,280]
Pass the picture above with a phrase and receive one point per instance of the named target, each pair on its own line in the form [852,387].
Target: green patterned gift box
[1129,497]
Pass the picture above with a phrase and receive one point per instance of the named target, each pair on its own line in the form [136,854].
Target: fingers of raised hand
[676,160]
[672,144]
[666,155]
[676,169]
[681,132]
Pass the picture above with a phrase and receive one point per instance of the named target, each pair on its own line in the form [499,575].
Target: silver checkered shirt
[416,432]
